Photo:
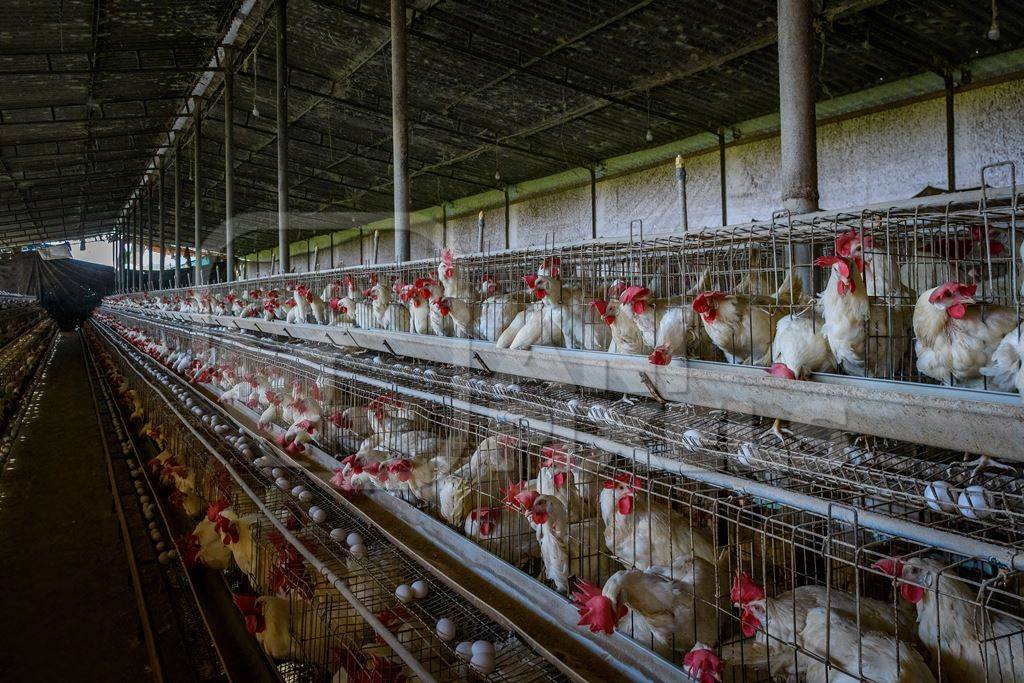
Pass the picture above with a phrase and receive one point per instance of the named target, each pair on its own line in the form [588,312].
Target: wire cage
[325,631]
[773,588]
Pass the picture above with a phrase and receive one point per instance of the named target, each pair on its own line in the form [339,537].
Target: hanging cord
[993,30]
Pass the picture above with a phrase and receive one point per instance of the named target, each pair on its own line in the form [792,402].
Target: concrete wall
[888,155]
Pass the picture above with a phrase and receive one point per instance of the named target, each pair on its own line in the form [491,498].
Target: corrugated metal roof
[88,90]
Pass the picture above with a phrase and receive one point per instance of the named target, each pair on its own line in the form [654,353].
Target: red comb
[595,609]
[744,590]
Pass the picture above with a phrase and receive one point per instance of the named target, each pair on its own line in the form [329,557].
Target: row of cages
[873,291]
[705,576]
[17,314]
[18,360]
[294,609]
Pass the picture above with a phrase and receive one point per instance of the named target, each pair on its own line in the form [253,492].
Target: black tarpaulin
[68,289]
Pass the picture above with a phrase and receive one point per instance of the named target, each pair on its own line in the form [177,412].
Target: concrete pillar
[177,212]
[229,163]
[197,193]
[400,130]
[160,220]
[282,136]
[950,133]
[797,91]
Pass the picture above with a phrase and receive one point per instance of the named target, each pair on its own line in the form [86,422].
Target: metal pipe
[138,242]
[400,131]
[229,164]
[163,238]
[177,213]
[376,246]
[282,135]
[950,133]
[593,203]
[721,176]
[197,201]
[444,224]
[481,224]
[681,187]
[149,232]
[508,230]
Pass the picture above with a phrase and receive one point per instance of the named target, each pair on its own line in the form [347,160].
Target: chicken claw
[778,431]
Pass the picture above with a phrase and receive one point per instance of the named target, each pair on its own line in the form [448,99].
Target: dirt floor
[68,611]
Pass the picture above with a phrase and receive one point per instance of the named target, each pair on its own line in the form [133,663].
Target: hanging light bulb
[497,174]
[649,136]
[993,30]
[255,111]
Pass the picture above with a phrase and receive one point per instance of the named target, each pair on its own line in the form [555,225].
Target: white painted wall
[888,155]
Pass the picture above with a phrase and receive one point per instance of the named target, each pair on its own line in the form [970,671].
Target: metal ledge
[944,417]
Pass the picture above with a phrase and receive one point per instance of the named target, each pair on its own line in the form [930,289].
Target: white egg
[481,646]
[483,662]
[357,550]
[164,558]
[317,514]
[404,594]
[155,535]
[445,629]
[161,545]
[420,589]
[305,496]
[283,483]
[464,649]
[941,497]
[247,452]
[692,439]
[152,525]
[278,472]
[748,453]
[297,490]
[337,535]
[172,553]
[143,499]
[354,539]
[975,502]
[148,514]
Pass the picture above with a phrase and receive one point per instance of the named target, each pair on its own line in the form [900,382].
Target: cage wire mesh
[565,509]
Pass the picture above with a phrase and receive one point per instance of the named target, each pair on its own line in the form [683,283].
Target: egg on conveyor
[975,502]
[692,439]
[305,496]
[283,483]
[464,649]
[483,662]
[354,539]
[748,453]
[941,497]
[446,629]
[297,490]
[318,514]
[419,589]
[357,550]
[404,594]
[337,535]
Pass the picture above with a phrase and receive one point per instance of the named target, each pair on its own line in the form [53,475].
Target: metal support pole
[197,201]
[722,178]
[149,232]
[177,212]
[444,224]
[400,130]
[138,249]
[593,203]
[229,163]
[282,136]
[481,225]
[950,133]
[331,235]
[508,229]
[160,214]
[798,136]
[681,187]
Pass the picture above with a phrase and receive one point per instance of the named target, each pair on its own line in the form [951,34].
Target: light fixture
[993,30]
[649,136]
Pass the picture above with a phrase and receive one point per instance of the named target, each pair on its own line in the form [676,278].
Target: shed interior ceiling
[89,90]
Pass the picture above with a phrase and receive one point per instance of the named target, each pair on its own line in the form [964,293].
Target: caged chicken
[564,544]
[671,610]
[957,336]
[867,339]
[644,532]
[270,618]
[742,325]
[779,631]
[1005,370]
[967,641]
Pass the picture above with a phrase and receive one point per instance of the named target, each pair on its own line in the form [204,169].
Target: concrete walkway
[67,608]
